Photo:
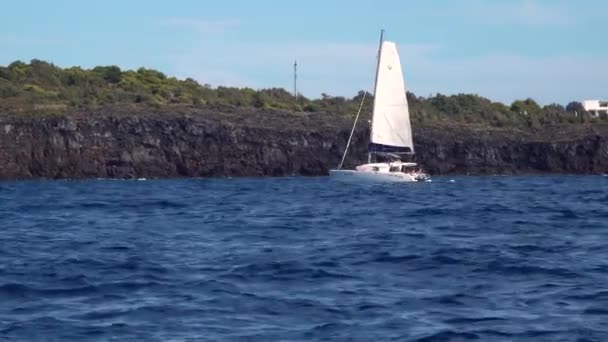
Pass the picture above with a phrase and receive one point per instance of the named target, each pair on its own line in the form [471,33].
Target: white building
[596,107]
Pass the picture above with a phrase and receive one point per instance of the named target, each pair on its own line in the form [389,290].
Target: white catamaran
[391,132]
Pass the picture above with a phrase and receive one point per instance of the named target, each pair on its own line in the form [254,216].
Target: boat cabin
[388,167]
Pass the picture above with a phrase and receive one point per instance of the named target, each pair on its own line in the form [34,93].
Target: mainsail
[391,129]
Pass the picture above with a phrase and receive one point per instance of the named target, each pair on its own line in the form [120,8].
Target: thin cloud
[343,68]
[526,12]
[187,67]
[21,40]
[201,26]
[333,68]
[509,77]
[535,12]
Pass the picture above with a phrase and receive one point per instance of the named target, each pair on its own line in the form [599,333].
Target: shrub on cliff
[38,84]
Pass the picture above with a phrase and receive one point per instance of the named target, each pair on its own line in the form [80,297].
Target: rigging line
[352,131]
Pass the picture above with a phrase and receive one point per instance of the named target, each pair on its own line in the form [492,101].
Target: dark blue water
[487,258]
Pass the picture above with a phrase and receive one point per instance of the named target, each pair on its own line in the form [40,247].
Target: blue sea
[305,259]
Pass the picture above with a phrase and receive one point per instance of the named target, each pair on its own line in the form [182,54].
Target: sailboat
[391,133]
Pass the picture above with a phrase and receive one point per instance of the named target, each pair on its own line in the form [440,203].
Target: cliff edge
[231,141]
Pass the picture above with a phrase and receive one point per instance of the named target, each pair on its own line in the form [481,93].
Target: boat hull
[353,176]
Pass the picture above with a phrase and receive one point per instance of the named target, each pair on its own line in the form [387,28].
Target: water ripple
[482,258]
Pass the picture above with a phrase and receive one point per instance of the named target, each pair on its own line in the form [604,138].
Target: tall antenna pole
[295,79]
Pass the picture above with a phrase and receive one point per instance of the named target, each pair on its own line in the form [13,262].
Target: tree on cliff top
[24,86]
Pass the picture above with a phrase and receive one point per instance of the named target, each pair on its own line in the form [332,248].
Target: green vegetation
[43,86]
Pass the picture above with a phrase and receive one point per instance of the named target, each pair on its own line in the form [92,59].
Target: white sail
[391,118]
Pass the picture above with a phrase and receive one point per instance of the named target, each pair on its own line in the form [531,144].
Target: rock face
[127,145]
[578,150]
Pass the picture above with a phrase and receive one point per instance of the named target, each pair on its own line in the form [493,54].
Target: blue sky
[552,51]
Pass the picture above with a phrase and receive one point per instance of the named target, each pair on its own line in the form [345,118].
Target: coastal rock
[223,143]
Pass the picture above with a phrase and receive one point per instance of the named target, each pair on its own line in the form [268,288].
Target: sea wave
[483,258]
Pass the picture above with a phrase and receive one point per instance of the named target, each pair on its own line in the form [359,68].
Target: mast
[378,62]
[369,154]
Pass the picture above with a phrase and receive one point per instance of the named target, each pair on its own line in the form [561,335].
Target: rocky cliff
[121,143]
